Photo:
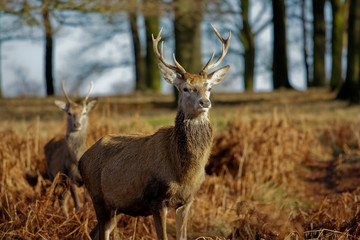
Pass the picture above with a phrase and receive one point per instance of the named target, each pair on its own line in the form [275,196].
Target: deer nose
[204,103]
[77,125]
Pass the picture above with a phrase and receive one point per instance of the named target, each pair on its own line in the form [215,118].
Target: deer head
[77,118]
[194,89]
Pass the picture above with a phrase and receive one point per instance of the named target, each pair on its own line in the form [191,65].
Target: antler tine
[207,64]
[225,47]
[178,68]
[65,94]
[90,90]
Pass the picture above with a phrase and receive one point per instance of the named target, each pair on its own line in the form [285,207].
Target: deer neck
[192,140]
[78,142]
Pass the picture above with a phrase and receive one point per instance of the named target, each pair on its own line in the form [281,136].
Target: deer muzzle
[204,105]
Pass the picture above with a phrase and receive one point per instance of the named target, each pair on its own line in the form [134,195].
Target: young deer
[63,152]
[143,175]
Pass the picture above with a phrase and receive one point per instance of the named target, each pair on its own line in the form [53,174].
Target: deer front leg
[64,202]
[106,220]
[159,216]
[181,220]
[75,196]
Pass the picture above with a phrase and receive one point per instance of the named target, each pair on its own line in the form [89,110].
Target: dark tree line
[187,16]
[49,48]
[187,32]
[247,38]
[280,61]
[345,29]
[319,40]
[338,23]
[350,90]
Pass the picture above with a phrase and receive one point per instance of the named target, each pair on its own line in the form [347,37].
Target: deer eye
[185,89]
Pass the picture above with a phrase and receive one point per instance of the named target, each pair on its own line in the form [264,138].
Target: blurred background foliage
[42,20]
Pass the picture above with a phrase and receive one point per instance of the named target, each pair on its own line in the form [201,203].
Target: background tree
[351,88]
[280,62]
[140,81]
[245,29]
[151,13]
[188,18]
[304,39]
[336,43]
[247,40]
[49,49]
[0,72]
[24,16]
[0,59]
[47,15]
[319,38]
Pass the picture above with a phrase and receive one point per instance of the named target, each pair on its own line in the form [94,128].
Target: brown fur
[137,174]
[142,175]
[172,158]
[63,152]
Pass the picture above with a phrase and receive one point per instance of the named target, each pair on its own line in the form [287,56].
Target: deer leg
[75,196]
[85,195]
[106,220]
[110,225]
[63,200]
[94,234]
[181,220]
[56,196]
[159,216]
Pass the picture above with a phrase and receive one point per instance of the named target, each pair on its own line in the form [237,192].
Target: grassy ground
[284,165]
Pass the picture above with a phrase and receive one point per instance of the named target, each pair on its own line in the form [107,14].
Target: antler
[91,88]
[66,96]
[178,68]
[225,47]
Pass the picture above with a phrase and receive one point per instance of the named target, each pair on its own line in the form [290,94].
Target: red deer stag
[63,152]
[144,175]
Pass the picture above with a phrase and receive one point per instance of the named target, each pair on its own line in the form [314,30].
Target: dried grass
[257,187]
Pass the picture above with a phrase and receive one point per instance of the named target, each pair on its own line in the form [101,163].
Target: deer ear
[169,75]
[217,76]
[90,105]
[62,105]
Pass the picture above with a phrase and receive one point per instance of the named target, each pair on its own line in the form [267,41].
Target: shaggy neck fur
[77,142]
[192,140]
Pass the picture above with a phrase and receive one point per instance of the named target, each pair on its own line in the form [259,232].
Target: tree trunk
[319,38]
[306,55]
[139,60]
[351,88]
[0,69]
[188,17]
[153,79]
[49,49]
[280,64]
[247,40]
[336,43]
